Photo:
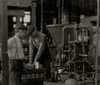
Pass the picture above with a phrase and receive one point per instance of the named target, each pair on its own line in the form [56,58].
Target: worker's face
[23,33]
[34,34]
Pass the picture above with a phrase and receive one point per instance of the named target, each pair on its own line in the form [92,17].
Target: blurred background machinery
[73,52]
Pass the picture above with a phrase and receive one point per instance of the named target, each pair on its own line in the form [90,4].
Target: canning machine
[73,44]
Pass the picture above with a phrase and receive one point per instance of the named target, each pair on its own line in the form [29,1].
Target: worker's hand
[33,65]
[36,65]
[29,64]
[35,60]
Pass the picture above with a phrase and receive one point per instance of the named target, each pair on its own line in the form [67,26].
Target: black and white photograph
[49,42]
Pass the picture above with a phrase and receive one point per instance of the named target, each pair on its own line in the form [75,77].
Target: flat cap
[21,26]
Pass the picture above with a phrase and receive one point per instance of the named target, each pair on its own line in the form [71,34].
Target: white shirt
[15,48]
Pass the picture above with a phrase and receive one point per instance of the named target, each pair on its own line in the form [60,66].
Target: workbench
[33,77]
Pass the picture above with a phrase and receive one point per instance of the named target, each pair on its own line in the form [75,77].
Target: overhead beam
[16,12]
[19,3]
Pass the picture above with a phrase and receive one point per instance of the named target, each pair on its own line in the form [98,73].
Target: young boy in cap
[16,55]
[38,50]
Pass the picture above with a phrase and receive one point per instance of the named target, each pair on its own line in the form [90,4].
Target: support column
[59,11]
[97,64]
[33,14]
[3,41]
[98,13]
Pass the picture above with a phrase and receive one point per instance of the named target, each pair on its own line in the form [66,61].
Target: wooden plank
[16,12]
[4,34]
[19,3]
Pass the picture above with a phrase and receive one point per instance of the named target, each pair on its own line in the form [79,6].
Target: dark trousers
[47,67]
[15,72]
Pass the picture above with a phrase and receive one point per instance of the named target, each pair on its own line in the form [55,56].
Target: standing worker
[16,55]
[38,50]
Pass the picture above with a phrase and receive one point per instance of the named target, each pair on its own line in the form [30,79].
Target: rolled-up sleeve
[31,50]
[11,48]
[41,48]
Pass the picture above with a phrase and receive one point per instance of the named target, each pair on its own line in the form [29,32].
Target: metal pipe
[4,37]
[62,12]
[98,13]
[96,63]
[59,11]
[33,19]
[41,15]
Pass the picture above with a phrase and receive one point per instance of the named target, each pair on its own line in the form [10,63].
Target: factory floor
[80,83]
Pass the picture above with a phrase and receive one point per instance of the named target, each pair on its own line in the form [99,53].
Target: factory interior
[66,37]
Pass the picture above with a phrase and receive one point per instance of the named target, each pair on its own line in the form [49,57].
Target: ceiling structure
[54,8]
[74,8]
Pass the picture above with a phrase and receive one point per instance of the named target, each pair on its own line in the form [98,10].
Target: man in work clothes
[16,55]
